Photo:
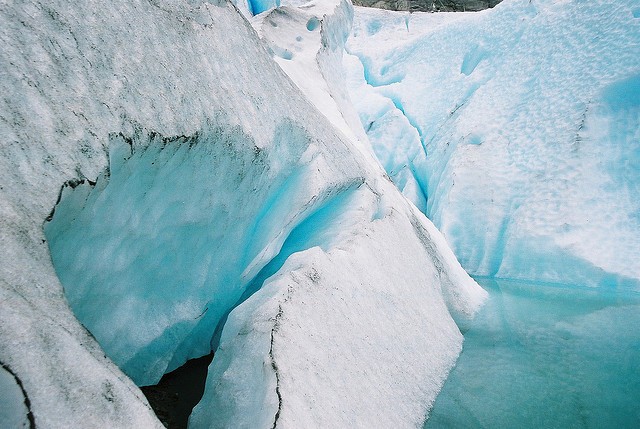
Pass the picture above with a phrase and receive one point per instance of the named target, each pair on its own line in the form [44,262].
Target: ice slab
[322,320]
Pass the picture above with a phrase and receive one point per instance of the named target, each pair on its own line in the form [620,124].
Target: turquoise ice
[546,356]
[516,130]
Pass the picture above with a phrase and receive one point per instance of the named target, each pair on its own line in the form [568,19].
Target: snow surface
[518,130]
[307,41]
[195,171]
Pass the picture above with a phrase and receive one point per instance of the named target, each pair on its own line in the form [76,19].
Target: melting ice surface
[516,130]
[546,356]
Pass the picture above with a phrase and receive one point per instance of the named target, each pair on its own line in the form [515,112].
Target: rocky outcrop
[429,5]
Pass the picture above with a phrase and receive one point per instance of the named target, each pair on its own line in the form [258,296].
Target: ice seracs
[196,172]
[528,124]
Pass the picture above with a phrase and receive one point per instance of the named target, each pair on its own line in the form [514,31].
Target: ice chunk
[321,311]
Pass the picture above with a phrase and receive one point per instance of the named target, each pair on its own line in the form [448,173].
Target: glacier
[252,177]
[158,157]
[552,356]
[515,130]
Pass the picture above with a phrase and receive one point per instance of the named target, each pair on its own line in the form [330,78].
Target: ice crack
[274,366]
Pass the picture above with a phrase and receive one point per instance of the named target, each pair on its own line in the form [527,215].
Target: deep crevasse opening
[157,252]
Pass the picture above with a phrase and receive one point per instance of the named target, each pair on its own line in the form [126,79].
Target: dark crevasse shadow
[173,398]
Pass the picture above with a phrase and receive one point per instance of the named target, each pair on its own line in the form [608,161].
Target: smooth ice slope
[195,106]
[529,117]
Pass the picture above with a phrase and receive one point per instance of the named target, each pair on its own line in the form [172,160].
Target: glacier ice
[204,215]
[307,41]
[336,310]
[14,405]
[520,125]
[561,356]
[206,179]
[156,115]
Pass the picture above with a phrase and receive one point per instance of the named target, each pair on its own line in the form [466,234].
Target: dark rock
[173,398]
[429,5]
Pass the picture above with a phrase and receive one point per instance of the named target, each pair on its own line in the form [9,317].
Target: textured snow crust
[195,169]
[520,125]
[307,41]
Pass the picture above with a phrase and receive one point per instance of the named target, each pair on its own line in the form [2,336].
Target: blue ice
[258,6]
[521,126]
[169,239]
[546,356]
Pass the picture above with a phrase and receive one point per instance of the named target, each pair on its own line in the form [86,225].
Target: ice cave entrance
[546,356]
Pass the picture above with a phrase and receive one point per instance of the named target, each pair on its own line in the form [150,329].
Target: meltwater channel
[546,356]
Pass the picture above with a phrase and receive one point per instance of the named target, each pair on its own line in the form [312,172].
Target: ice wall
[195,168]
[307,41]
[177,230]
[527,117]
[319,332]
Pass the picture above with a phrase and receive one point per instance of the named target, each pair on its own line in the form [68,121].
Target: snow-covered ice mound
[307,41]
[196,172]
[521,128]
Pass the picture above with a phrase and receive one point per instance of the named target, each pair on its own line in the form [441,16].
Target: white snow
[307,41]
[521,125]
[214,173]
